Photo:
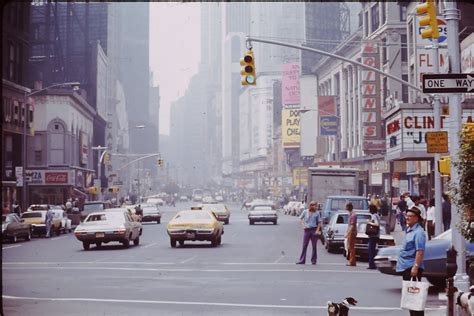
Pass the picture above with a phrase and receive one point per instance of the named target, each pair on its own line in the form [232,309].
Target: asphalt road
[253,272]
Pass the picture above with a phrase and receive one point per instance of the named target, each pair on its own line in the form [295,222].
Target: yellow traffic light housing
[114,189]
[106,158]
[93,190]
[160,162]
[444,165]
[428,8]
[248,69]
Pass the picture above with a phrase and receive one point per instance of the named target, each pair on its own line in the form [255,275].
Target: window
[404,48]
[405,90]
[384,51]
[361,19]
[403,12]
[56,143]
[366,23]
[410,34]
[374,17]
[383,8]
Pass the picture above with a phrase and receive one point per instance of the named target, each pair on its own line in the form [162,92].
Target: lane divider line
[8,247]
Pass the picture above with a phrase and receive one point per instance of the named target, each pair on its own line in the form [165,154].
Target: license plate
[99,235]
[190,235]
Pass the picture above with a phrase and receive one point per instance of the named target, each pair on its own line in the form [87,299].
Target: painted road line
[8,247]
[100,300]
[58,238]
[187,270]
[150,245]
[187,260]
[279,259]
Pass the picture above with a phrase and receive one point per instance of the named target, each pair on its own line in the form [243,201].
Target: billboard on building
[406,131]
[290,85]
[327,115]
[84,148]
[290,127]
[300,176]
[371,116]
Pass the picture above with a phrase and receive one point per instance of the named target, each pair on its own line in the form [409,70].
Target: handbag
[372,230]
[414,294]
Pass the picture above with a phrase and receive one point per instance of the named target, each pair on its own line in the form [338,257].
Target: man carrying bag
[410,264]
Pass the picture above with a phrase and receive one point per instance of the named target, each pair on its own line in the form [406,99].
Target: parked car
[434,258]
[195,225]
[220,211]
[219,198]
[94,206]
[37,220]
[151,213]
[334,232]
[66,223]
[183,198]
[157,201]
[106,226]
[362,240]
[335,203]
[262,213]
[13,228]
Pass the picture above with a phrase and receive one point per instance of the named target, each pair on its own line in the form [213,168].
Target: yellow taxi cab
[220,210]
[195,224]
[36,217]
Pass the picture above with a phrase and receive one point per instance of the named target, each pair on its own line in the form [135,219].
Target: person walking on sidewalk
[312,230]
[401,209]
[373,239]
[410,260]
[351,234]
[446,208]
[49,222]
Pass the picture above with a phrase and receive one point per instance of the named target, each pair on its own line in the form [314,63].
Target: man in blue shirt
[410,259]
[312,229]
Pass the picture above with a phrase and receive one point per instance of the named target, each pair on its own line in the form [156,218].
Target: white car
[156,201]
[66,223]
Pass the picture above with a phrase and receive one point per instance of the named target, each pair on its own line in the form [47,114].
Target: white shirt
[430,214]
[422,210]
[409,202]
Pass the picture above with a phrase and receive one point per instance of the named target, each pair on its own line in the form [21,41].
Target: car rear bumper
[268,218]
[101,237]
[191,234]
[151,218]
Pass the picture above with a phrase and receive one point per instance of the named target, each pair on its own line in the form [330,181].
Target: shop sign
[406,131]
[380,166]
[290,127]
[300,176]
[35,176]
[79,178]
[56,177]
[290,88]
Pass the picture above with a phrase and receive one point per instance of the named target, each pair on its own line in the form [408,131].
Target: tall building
[18,111]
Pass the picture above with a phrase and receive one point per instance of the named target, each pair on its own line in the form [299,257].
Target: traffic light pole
[451,14]
[437,127]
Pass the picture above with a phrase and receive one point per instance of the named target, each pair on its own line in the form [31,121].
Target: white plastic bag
[414,294]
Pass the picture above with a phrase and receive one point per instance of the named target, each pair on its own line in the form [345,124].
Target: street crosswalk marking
[129,301]
[8,247]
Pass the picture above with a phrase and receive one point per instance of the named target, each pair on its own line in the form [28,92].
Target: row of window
[378,17]
[14,112]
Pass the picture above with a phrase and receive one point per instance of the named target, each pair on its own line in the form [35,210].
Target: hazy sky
[174,51]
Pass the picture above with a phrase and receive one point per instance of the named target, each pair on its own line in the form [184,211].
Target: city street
[253,272]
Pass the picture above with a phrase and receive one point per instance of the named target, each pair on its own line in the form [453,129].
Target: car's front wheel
[13,239]
[136,242]
[158,221]
[173,243]
[85,245]
[181,242]
[126,243]
[214,242]
[274,222]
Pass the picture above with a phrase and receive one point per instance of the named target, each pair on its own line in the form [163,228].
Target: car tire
[13,239]
[136,242]
[214,242]
[219,240]
[85,245]
[28,236]
[158,221]
[126,243]
[275,222]
[98,244]
[181,242]
[251,222]
[173,243]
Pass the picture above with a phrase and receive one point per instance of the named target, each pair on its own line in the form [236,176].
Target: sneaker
[300,262]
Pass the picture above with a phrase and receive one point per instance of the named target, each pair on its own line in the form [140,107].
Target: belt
[311,228]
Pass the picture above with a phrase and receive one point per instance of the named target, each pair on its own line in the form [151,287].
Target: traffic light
[428,8]
[444,165]
[106,158]
[248,69]
[114,189]
[160,162]
[93,190]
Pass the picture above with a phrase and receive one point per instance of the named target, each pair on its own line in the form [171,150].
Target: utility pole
[451,14]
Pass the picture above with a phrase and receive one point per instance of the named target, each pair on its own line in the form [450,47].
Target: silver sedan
[106,226]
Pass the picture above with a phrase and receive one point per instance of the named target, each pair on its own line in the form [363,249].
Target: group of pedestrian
[410,260]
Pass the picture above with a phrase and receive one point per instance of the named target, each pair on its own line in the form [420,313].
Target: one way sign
[448,83]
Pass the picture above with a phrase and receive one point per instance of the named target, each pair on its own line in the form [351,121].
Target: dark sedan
[434,258]
[13,228]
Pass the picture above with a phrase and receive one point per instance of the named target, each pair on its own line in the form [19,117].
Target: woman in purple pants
[312,230]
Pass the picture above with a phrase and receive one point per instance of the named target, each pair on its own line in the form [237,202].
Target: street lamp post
[101,153]
[25,129]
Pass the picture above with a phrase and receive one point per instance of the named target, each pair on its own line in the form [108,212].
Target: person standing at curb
[312,230]
[351,235]
[48,222]
[410,260]
[373,239]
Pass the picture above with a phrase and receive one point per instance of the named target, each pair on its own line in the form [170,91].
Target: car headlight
[4,226]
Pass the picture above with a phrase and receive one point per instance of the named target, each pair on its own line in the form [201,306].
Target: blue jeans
[372,251]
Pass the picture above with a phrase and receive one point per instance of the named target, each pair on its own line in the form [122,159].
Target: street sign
[19,181]
[448,83]
[18,171]
[437,142]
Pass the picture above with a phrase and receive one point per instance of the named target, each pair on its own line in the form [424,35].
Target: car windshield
[214,207]
[262,208]
[102,217]
[38,207]
[340,204]
[32,215]
[190,216]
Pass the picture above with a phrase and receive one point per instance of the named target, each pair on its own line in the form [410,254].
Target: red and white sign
[371,117]
[290,85]
[56,177]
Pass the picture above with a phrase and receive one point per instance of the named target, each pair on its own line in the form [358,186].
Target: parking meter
[451,265]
